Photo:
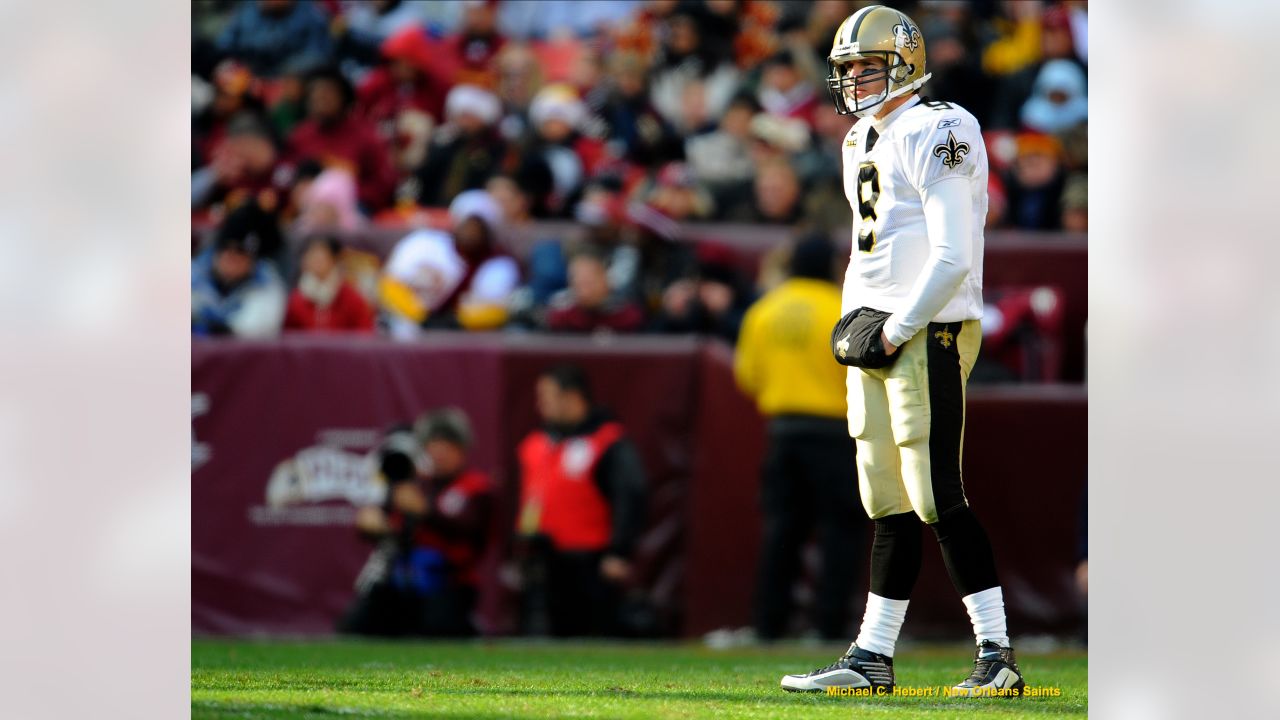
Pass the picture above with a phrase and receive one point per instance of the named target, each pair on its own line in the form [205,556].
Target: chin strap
[896,93]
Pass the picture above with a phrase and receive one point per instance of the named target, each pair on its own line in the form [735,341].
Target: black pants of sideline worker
[810,485]
[565,594]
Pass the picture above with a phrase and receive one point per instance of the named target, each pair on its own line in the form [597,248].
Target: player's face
[863,66]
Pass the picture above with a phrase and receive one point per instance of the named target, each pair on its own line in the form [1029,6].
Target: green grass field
[512,679]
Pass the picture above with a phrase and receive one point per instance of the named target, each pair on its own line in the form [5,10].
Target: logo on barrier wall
[200,452]
[322,484]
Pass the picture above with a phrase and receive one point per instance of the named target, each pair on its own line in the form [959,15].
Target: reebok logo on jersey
[948,122]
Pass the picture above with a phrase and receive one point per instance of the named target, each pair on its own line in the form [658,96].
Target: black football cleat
[995,674]
[858,668]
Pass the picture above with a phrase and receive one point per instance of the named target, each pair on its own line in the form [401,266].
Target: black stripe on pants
[946,403]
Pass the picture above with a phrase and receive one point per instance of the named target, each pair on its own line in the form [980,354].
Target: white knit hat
[478,204]
[473,100]
[557,102]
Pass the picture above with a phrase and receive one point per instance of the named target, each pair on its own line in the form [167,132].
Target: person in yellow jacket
[783,362]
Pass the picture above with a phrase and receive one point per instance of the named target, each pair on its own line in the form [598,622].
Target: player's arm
[948,216]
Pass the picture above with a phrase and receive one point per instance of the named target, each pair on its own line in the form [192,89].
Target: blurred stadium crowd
[533,165]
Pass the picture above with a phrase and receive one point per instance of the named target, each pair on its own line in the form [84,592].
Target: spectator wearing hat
[783,363]
[1044,36]
[328,203]
[335,136]
[609,232]
[687,57]
[1075,204]
[323,299]
[778,138]
[520,77]
[601,217]
[288,104]
[1059,99]
[661,257]
[710,301]
[466,151]
[631,119]
[1017,39]
[588,305]
[243,165]
[675,192]
[432,532]
[233,290]
[722,159]
[472,51]
[1034,184]
[404,97]
[784,90]
[362,28]
[232,94]
[451,280]
[560,144]
[265,34]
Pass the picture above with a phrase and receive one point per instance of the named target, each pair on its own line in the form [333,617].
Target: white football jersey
[915,146]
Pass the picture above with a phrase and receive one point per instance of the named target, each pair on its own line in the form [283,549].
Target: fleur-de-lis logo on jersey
[944,337]
[843,345]
[906,36]
[951,152]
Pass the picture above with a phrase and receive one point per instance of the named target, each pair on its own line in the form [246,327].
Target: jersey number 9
[868,194]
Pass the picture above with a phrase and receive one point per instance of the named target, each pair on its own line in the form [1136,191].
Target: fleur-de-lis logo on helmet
[906,35]
[952,152]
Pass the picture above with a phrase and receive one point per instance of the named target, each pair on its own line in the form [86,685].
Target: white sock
[881,623]
[986,610]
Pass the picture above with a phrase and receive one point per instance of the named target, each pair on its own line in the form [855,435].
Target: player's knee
[898,525]
[955,521]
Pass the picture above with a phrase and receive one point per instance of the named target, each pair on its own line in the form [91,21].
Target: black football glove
[855,340]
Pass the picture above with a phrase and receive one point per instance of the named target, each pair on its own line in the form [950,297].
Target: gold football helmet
[875,31]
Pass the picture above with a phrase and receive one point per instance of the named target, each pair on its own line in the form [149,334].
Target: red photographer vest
[558,493]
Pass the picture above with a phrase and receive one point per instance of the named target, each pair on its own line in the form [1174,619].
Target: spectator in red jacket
[587,305]
[473,51]
[336,137]
[323,299]
[410,87]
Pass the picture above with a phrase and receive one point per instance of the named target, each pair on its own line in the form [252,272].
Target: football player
[915,173]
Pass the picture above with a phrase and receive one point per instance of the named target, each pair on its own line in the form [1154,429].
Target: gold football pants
[908,423]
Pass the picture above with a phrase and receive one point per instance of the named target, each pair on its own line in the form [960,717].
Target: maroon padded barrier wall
[286,565]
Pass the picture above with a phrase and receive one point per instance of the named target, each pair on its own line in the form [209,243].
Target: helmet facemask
[843,88]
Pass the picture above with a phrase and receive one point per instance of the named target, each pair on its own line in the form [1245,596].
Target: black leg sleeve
[966,551]
[895,556]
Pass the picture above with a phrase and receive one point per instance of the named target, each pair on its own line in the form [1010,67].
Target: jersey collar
[881,123]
